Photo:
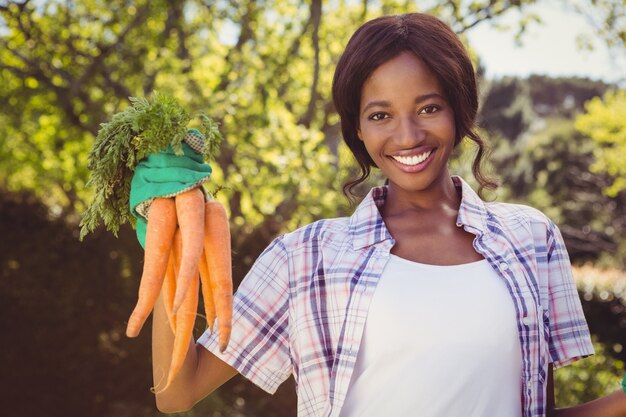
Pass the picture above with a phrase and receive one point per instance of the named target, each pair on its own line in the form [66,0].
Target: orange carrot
[190,212]
[218,256]
[169,284]
[207,293]
[159,235]
[185,319]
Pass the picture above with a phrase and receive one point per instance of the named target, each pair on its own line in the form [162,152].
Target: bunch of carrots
[187,238]
[187,243]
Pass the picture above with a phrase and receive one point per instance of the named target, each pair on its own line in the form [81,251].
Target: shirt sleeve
[569,338]
[259,341]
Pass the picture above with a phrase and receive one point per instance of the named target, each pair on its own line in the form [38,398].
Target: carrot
[207,293]
[169,284]
[190,211]
[185,319]
[218,256]
[159,235]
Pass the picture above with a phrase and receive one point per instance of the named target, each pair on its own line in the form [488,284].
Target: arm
[613,405]
[201,374]
[260,308]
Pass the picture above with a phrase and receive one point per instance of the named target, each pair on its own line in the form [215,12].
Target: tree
[543,161]
[608,18]
[605,123]
[514,106]
[550,170]
[263,69]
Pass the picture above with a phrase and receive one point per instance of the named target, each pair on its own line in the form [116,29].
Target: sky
[549,48]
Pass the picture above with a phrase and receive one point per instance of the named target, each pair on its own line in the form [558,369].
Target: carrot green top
[150,133]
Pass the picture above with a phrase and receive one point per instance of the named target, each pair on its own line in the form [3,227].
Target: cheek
[446,129]
[371,147]
[359,129]
[451,127]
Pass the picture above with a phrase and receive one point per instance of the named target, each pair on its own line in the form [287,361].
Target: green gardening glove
[166,174]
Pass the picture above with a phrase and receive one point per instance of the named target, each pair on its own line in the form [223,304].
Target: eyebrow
[385,103]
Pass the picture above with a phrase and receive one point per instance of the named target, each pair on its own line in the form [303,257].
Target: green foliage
[608,19]
[603,293]
[605,123]
[548,164]
[506,109]
[147,126]
[514,106]
[265,68]
[551,170]
[587,379]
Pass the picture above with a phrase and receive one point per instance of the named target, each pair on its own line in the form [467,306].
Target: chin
[417,182]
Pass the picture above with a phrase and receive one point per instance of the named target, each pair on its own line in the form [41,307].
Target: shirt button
[504,266]
[526,320]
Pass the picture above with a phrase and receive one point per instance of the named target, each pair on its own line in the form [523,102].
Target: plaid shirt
[302,307]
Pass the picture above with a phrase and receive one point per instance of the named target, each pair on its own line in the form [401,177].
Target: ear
[358,133]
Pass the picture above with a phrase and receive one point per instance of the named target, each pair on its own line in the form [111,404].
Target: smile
[412,160]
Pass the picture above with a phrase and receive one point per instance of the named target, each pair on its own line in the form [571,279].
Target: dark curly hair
[431,40]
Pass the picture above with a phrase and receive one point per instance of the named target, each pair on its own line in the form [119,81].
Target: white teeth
[412,160]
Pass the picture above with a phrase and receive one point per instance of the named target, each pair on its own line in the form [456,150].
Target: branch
[293,51]
[120,89]
[105,50]
[173,17]
[5,7]
[17,71]
[245,34]
[331,132]
[363,10]
[316,18]
[63,98]
[35,69]
[486,12]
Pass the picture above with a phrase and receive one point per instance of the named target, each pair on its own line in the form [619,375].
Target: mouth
[414,162]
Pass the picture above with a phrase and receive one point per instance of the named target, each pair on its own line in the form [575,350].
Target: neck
[442,195]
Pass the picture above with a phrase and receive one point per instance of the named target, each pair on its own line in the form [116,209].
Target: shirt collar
[368,228]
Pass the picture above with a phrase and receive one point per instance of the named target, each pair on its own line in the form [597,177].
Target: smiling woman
[408,129]
[426,301]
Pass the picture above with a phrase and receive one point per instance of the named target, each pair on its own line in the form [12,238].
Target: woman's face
[406,124]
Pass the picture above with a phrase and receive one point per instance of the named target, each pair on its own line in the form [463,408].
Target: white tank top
[439,341]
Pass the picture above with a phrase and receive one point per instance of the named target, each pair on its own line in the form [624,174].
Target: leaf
[147,126]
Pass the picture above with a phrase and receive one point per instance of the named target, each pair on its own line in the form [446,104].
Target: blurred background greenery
[263,69]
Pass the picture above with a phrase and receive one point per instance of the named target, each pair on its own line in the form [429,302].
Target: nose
[408,132]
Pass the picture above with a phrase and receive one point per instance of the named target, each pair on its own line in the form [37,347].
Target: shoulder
[506,216]
[322,236]
[520,218]
[514,212]
[331,231]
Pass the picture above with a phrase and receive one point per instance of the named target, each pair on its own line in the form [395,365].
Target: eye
[430,109]
[378,116]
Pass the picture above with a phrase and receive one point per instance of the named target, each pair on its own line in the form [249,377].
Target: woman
[427,301]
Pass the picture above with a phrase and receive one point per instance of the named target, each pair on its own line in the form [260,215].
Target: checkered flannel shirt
[302,307]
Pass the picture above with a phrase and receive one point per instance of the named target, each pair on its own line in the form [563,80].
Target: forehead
[403,74]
